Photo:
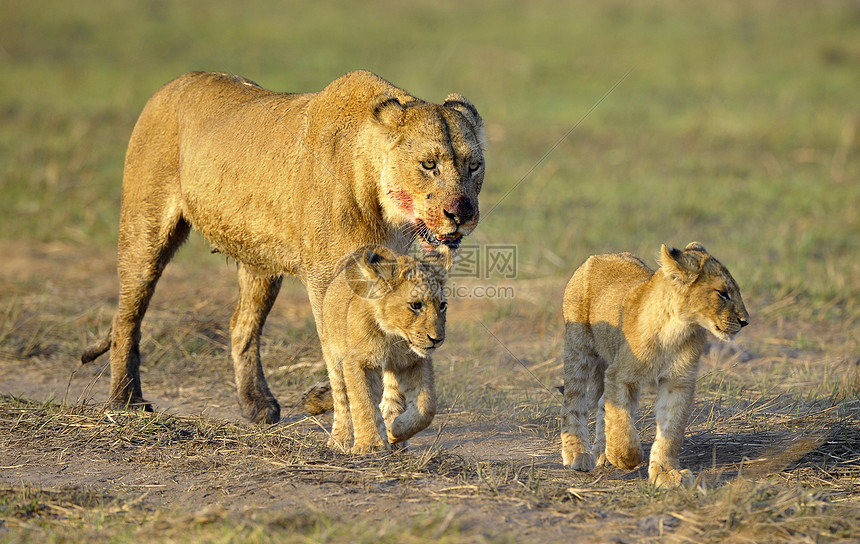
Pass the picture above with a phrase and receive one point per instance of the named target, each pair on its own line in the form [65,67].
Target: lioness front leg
[672,409]
[364,389]
[623,448]
[419,391]
[257,293]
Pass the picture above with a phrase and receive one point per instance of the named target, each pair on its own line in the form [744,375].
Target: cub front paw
[365,448]
[625,458]
[340,443]
[582,461]
[661,476]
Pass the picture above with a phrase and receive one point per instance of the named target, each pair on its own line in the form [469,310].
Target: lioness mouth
[433,240]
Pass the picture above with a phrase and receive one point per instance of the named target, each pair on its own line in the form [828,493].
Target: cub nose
[460,211]
[435,341]
[743,322]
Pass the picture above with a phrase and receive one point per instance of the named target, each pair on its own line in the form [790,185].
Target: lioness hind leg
[257,294]
[146,245]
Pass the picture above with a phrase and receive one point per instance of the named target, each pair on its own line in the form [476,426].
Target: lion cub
[626,325]
[382,317]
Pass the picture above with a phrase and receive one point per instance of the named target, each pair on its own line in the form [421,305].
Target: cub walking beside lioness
[382,317]
[626,325]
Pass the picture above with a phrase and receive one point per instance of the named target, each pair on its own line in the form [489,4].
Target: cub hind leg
[579,365]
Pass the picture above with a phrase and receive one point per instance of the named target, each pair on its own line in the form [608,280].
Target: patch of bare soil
[491,460]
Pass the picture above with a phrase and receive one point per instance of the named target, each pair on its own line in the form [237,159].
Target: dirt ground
[495,471]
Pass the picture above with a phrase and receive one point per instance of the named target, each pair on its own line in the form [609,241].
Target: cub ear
[370,272]
[460,103]
[680,265]
[387,111]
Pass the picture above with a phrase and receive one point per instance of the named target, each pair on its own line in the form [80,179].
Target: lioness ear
[695,246]
[679,265]
[461,104]
[387,111]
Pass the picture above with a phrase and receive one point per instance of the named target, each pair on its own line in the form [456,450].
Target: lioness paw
[670,477]
[266,410]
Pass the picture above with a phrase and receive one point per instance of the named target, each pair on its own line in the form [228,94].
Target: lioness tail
[93,352]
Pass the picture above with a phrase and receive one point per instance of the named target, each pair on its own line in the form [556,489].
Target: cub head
[405,294]
[433,166]
[710,296]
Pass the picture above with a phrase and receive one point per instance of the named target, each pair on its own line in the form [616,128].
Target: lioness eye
[416,306]
[428,164]
[443,306]
[723,294]
[474,165]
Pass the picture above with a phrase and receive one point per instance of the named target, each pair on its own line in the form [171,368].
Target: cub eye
[443,306]
[416,306]
[428,164]
[474,165]
[723,295]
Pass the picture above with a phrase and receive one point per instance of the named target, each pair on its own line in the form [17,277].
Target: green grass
[737,125]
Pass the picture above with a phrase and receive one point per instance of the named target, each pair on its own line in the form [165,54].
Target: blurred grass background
[736,126]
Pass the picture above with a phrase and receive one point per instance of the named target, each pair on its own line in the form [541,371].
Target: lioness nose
[461,211]
[743,322]
[436,341]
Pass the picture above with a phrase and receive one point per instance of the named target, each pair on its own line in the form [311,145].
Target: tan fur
[625,326]
[383,316]
[283,184]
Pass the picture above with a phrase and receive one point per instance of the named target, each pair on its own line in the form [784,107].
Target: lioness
[383,316]
[283,184]
[626,325]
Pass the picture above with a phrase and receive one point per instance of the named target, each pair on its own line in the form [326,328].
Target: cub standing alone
[626,324]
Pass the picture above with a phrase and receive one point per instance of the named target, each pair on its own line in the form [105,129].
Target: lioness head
[433,167]
[711,297]
[406,295]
